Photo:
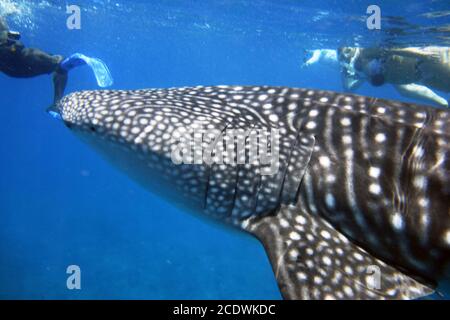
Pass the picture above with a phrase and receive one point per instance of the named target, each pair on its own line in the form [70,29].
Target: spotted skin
[312,260]
[371,175]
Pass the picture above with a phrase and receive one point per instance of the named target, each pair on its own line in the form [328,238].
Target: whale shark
[356,207]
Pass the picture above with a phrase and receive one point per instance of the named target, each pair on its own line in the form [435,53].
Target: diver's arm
[6,35]
[3,25]
[314,58]
[420,92]
[3,37]
[350,80]
[3,31]
[351,83]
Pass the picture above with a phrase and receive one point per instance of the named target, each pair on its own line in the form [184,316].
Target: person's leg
[432,53]
[436,75]
[36,62]
[423,93]
[59,84]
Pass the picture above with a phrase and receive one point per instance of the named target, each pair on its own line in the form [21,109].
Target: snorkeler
[414,72]
[20,62]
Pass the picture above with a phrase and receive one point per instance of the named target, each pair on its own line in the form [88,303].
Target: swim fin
[99,68]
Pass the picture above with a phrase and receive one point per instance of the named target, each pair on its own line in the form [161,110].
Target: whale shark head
[186,144]
[135,130]
[348,194]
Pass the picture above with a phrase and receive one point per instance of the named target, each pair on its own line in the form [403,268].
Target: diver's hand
[310,57]
[305,65]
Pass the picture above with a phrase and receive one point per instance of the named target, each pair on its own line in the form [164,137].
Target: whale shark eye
[92,128]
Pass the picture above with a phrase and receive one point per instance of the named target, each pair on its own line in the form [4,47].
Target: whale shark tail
[312,260]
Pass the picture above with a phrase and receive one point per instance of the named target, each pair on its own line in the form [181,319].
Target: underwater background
[61,204]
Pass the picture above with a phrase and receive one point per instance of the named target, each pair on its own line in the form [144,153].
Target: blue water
[61,204]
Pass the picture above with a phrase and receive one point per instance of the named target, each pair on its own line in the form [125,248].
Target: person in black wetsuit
[20,62]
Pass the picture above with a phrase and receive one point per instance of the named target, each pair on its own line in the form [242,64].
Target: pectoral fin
[312,260]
